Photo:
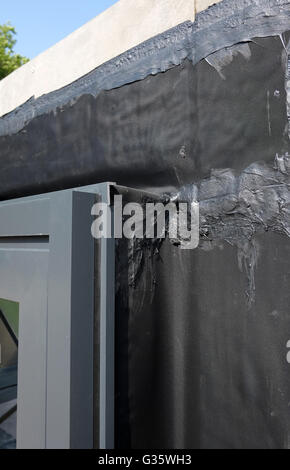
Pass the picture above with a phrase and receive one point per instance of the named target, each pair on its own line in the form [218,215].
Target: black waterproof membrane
[200,112]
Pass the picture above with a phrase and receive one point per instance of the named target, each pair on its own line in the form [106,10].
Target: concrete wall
[121,27]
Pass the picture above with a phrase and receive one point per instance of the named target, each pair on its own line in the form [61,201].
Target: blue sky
[42,23]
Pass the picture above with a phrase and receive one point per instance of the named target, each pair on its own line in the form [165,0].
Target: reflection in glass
[9,319]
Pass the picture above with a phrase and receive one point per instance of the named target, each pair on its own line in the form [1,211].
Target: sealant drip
[236,208]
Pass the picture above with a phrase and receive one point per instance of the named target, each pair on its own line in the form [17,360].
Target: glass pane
[9,322]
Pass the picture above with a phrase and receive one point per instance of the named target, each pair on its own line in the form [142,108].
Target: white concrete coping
[123,26]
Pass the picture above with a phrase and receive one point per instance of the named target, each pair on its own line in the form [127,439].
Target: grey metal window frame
[65,218]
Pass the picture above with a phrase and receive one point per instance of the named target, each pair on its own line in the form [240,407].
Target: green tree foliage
[9,61]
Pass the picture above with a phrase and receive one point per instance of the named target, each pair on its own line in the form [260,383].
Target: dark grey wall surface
[202,335]
[138,134]
[197,367]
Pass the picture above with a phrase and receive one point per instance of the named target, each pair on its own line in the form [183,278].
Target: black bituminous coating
[164,131]
[222,25]
[235,208]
